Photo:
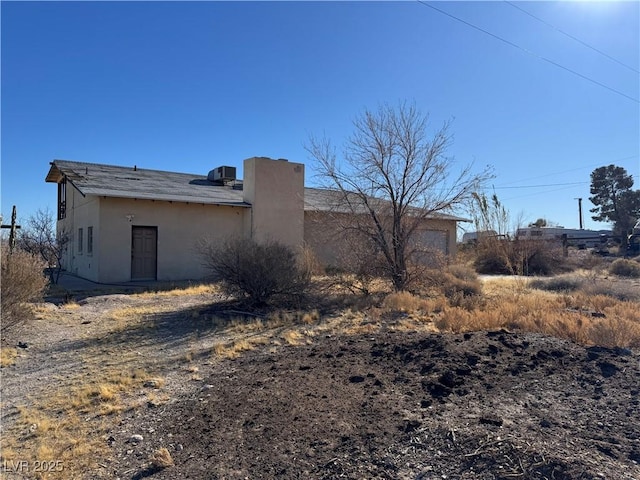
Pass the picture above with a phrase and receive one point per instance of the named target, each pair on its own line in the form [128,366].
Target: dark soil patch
[491,405]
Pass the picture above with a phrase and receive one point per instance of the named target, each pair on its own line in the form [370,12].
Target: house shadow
[170,331]
[73,288]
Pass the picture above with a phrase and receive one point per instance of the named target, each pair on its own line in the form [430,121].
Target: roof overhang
[55,175]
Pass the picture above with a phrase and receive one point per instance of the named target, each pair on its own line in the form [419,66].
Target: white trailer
[575,237]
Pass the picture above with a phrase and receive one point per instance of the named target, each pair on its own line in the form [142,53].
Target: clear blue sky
[192,86]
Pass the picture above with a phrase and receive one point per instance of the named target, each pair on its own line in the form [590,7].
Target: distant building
[473,237]
[128,223]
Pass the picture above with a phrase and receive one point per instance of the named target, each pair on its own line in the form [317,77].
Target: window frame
[62,199]
[80,240]
[90,240]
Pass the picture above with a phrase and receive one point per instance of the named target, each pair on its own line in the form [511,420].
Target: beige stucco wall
[82,212]
[275,190]
[325,234]
[179,226]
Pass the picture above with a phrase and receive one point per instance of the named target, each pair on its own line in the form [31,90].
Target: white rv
[575,237]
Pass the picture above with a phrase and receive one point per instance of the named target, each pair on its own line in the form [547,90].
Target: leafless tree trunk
[391,177]
[40,237]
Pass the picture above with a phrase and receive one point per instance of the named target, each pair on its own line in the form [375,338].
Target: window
[62,199]
[89,240]
[80,241]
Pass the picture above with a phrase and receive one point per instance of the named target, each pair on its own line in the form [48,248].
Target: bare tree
[391,178]
[40,237]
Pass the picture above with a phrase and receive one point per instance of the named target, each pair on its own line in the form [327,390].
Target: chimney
[275,190]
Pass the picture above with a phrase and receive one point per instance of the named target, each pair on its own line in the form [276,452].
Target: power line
[553,174]
[534,194]
[572,37]
[529,52]
[545,185]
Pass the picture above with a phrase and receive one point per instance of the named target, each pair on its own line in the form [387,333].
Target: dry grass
[69,423]
[233,349]
[161,458]
[625,268]
[70,304]
[46,436]
[294,337]
[577,316]
[8,356]
[201,289]
[241,325]
[402,302]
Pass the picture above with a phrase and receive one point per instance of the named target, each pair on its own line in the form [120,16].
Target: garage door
[433,240]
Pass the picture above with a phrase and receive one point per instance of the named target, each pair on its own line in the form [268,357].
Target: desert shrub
[466,285]
[458,284]
[586,260]
[454,282]
[517,257]
[401,302]
[558,284]
[617,290]
[625,268]
[309,261]
[463,272]
[495,257]
[455,319]
[257,271]
[539,264]
[489,263]
[22,281]
[615,332]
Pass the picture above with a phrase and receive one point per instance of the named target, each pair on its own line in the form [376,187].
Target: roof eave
[54,175]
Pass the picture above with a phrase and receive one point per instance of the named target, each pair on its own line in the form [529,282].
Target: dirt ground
[385,404]
[490,405]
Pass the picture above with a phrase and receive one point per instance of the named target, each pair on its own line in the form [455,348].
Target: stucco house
[129,223]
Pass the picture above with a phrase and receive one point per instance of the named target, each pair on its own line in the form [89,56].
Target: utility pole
[580,210]
[12,232]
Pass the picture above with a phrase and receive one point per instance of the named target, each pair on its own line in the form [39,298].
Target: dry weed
[181,291]
[293,337]
[223,350]
[241,325]
[615,332]
[310,317]
[625,268]
[233,349]
[68,424]
[70,304]
[161,458]
[402,302]
[575,315]
[8,356]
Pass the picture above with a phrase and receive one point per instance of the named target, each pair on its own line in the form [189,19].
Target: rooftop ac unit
[222,174]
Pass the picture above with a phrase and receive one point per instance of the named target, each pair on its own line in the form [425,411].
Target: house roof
[327,200]
[141,183]
[132,182]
